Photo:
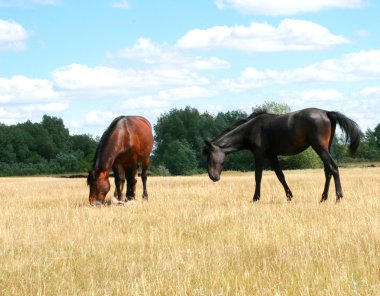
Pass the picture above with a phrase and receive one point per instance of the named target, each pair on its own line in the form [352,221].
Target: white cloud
[280,7]
[27,3]
[164,55]
[290,35]
[372,92]
[105,80]
[312,97]
[14,113]
[145,102]
[187,92]
[363,33]
[22,97]
[46,2]
[124,4]
[9,117]
[49,107]
[96,117]
[12,36]
[164,98]
[21,90]
[360,66]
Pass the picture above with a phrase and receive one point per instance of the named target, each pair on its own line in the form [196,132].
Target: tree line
[48,148]
[43,148]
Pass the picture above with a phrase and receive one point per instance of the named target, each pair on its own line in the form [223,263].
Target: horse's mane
[254,114]
[103,141]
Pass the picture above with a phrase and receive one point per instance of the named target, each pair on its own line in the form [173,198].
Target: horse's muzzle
[214,178]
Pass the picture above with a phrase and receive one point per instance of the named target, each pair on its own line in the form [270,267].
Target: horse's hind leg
[338,186]
[328,175]
[331,168]
[122,179]
[144,177]
[280,175]
[122,182]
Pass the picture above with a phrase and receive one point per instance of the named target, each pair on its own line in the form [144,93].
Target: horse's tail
[349,127]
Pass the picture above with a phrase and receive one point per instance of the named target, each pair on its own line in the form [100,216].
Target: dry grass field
[193,237]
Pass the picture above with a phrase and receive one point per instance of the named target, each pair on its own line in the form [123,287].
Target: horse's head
[99,186]
[215,158]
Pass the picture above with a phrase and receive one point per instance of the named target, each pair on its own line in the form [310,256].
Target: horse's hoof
[117,202]
[99,204]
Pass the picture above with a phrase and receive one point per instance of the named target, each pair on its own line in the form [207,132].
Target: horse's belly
[128,158]
[281,145]
[290,151]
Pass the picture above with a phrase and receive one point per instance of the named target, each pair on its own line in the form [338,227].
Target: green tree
[186,125]
[369,149]
[43,148]
[179,158]
[84,146]
[273,107]
[57,131]
[376,133]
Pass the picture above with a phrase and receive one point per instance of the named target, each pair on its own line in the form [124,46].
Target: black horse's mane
[104,139]
[254,114]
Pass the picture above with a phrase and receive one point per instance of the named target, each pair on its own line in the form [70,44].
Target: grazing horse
[269,135]
[127,142]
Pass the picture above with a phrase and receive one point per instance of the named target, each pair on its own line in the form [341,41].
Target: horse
[269,135]
[127,142]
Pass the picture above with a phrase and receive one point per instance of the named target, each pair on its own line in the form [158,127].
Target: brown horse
[128,141]
[269,135]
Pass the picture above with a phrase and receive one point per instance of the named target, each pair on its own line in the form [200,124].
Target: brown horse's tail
[349,127]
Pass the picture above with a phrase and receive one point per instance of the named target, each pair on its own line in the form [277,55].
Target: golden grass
[193,237]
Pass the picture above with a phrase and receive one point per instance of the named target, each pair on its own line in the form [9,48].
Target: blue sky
[90,61]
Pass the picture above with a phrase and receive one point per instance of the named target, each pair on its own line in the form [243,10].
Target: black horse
[269,135]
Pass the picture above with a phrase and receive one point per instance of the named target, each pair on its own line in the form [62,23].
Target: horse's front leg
[258,176]
[130,175]
[117,183]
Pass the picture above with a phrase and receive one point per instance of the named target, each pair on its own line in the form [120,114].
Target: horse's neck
[232,141]
[105,161]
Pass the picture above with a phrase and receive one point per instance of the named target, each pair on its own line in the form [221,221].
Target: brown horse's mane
[254,114]
[103,141]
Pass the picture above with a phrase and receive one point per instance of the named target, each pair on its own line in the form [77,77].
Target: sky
[88,62]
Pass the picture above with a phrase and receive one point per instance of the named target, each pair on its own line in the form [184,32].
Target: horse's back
[293,132]
[137,136]
[305,120]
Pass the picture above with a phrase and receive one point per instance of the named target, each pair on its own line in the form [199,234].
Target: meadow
[193,237]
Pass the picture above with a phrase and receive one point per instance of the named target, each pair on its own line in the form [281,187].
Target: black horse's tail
[349,127]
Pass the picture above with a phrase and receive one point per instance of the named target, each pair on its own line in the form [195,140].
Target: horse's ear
[207,147]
